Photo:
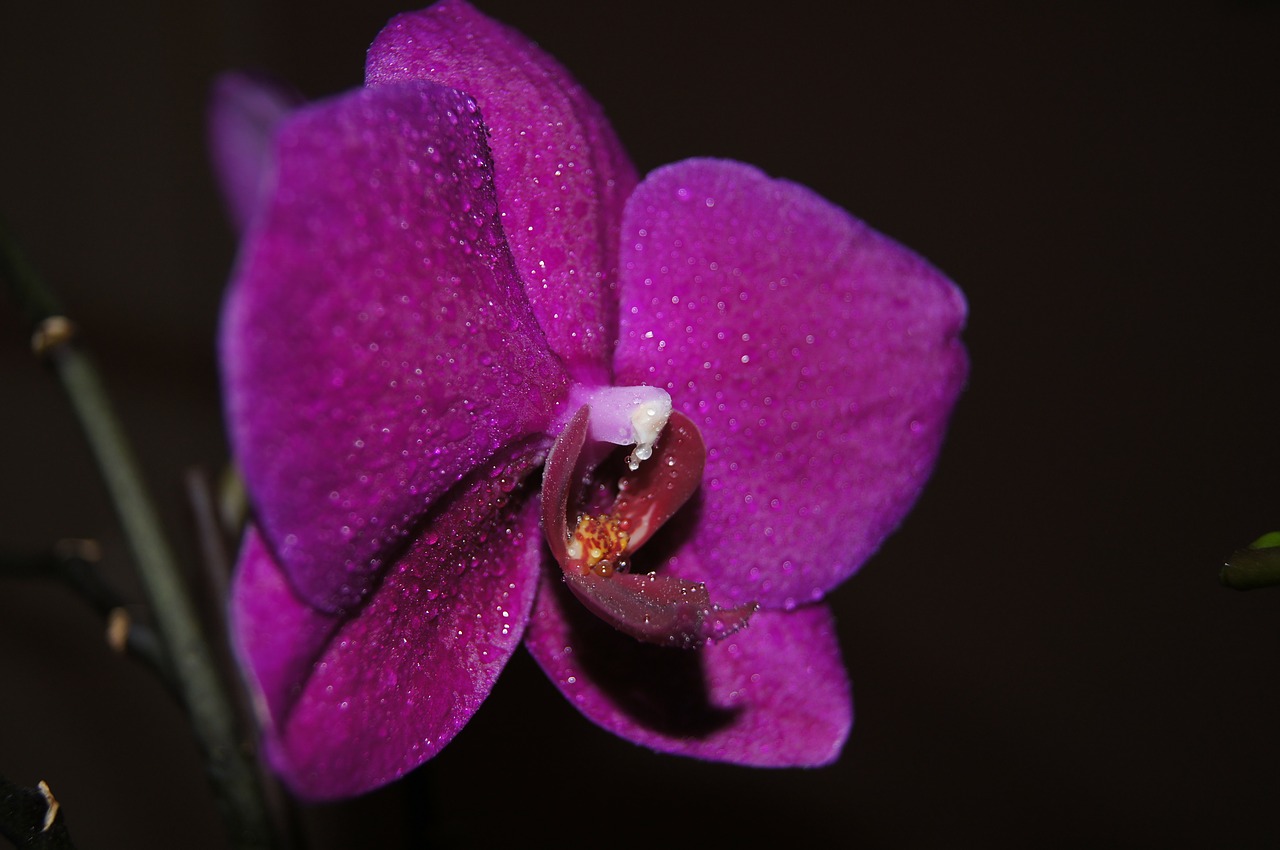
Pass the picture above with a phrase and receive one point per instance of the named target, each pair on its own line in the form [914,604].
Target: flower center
[598,543]
[661,473]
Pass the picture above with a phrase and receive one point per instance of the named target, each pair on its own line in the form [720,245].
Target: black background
[1041,656]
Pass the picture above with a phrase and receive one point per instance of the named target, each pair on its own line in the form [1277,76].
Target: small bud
[1257,565]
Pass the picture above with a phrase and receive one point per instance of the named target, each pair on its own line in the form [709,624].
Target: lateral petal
[819,358]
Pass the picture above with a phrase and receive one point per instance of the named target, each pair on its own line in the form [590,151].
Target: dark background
[1042,656]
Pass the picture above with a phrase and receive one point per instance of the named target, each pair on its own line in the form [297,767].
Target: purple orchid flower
[485,386]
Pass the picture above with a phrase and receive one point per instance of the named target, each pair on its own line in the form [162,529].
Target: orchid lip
[595,556]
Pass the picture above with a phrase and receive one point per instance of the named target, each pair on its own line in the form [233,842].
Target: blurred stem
[73,562]
[203,695]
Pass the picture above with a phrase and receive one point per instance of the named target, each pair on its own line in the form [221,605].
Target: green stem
[204,697]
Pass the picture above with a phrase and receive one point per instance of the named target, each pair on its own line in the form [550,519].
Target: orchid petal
[244,112]
[773,695]
[350,702]
[819,358]
[377,345]
[562,174]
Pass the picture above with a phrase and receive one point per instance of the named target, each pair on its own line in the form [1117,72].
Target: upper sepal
[562,175]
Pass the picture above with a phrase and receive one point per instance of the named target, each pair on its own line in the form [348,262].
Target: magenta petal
[773,695]
[377,343]
[350,704]
[244,112]
[819,358]
[562,174]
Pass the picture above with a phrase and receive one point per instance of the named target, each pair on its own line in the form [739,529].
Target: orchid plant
[486,387]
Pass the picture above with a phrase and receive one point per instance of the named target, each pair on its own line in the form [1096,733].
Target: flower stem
[203,694]
[73,562]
